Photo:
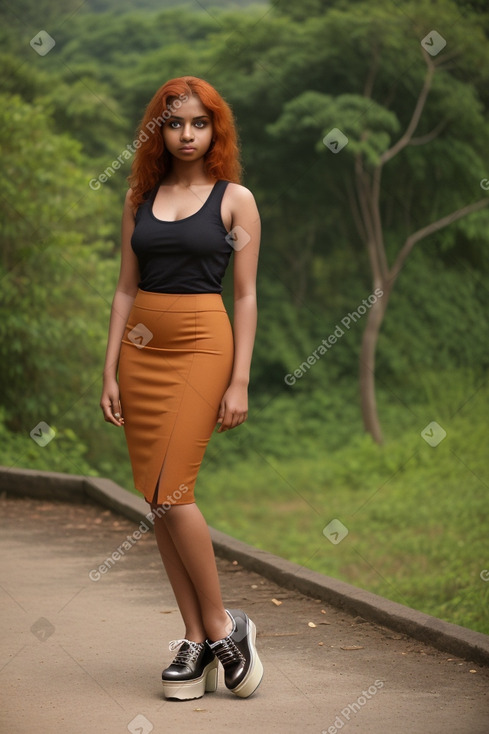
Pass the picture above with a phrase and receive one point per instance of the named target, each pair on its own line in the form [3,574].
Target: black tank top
[187,256]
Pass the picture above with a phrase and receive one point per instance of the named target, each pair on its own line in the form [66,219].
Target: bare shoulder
[129,202]
[239,195]
[129,197]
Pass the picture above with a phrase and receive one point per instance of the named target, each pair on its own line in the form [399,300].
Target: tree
[57,278]
[367,185]
[445,121]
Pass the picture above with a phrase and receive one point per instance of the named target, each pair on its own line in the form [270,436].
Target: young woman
[182,370]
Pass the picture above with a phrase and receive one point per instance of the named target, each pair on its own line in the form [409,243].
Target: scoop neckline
[184,219]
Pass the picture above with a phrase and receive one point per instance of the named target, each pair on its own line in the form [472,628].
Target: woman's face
[187,134]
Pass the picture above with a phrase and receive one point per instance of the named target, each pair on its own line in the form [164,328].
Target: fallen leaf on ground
[276,602]
[311,624]
[351,647]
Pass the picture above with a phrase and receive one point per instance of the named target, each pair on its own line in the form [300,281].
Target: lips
[187,148]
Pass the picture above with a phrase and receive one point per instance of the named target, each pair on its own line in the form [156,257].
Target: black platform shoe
[243,669]
[192,673]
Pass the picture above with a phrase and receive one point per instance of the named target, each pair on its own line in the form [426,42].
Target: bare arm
[125,293]
[246,223]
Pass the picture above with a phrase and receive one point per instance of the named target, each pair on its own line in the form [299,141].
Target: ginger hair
[152,161]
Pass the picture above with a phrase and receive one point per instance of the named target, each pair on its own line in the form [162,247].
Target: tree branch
[404,140]
[355,212]
[372,73]
[363,198]
[430,229]
[377,221]
[423,139]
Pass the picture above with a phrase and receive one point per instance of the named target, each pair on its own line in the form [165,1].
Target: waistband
[179,302]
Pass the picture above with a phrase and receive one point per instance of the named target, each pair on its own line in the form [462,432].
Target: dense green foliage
[291,73]
[414,513]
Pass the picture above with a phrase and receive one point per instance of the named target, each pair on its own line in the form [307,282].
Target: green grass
[416,515]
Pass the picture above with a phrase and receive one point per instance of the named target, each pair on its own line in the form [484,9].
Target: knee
[158,513]
[165,512]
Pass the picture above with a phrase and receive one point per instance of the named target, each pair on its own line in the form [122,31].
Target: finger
[109,415]
[231,420]
[238,419]
[116,411]
[220,416]
[224,422]
[109,418]
[115,405]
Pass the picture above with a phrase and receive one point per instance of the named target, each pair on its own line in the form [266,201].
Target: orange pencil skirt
[175,366]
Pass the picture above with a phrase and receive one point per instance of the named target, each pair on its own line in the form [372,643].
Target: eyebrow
[198,117]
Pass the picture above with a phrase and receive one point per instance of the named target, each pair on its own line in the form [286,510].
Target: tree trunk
[367,368]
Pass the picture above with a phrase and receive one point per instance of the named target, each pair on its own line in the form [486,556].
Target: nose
[187,133]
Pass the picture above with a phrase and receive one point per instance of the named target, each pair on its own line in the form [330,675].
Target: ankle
[220,629]
[195,636]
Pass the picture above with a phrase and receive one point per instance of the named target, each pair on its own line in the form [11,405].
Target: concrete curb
[451,638]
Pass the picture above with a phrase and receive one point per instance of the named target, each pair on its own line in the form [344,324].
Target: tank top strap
[215,197]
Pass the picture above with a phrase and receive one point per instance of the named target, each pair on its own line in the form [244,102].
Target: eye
[173,124]
[200,123]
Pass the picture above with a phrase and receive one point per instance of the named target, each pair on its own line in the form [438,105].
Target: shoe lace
[228,652]
[188,655]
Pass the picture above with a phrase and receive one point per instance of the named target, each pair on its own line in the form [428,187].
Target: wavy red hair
[152,161]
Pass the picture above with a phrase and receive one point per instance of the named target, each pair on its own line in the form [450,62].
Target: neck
[185,174]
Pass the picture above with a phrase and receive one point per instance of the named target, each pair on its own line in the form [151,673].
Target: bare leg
[186,549]
[182,586]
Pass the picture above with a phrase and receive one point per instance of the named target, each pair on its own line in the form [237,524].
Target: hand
[234,407]
[110,404]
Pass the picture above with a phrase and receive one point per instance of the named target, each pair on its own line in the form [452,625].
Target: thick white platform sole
[253,678]
[186,690]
